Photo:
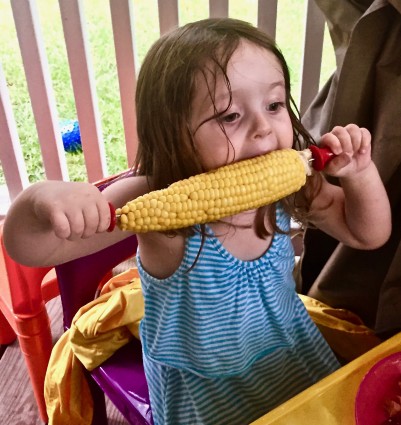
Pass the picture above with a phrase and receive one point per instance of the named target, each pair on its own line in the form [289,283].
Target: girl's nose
[261,125]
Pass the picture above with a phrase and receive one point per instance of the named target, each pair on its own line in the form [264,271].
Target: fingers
[93,218]
[74,212]
[366,141]
[105,217]
[60,224]
[73,224]
[351,145]
[338,140]
[350,139]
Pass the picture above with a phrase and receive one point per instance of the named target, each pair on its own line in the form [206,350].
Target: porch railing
[35,64]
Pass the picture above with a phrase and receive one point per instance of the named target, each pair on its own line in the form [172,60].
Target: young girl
[225,336]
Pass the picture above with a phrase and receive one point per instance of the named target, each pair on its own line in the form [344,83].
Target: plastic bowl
[380,385]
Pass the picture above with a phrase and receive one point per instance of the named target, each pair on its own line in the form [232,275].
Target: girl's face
[257,121]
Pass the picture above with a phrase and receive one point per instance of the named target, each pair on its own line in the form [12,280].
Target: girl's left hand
[352,146]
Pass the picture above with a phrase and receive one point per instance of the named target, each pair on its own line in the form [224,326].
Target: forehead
[250,65]
[247,55]
[253,59]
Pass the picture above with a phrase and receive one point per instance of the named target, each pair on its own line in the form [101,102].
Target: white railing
[35,64]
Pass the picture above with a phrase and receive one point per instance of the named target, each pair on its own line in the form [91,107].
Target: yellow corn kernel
[228,190]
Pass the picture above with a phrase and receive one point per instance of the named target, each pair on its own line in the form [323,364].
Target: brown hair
[165,90]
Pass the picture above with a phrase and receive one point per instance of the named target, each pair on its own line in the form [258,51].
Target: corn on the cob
[223,192]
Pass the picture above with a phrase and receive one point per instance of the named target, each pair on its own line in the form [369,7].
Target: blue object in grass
[71,136]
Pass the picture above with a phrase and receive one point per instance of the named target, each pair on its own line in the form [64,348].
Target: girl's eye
[275,106]
[230,117]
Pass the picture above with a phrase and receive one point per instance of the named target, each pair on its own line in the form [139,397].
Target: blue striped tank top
[228,340]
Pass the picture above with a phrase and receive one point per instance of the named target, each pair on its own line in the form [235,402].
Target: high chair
[24,291]
[121,377]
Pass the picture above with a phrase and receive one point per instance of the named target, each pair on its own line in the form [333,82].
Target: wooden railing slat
[40,88]
[312,57]
[84,88]
[267,16]
[218,8]
[83,82]
[123,30]
[11,157]
[168,15]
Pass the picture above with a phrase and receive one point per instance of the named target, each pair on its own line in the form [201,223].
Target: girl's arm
[52,222]
[357,213]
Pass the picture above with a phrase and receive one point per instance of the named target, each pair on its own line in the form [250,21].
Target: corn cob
[223,192]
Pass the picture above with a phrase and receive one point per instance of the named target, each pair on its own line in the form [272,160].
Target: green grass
[289,38]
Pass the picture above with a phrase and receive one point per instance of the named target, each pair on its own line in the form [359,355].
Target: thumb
[338,162]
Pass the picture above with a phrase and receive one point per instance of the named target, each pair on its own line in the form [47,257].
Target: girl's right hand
[72,210]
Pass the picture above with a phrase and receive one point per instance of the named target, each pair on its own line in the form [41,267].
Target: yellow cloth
[344,331]
[110,321]
[97,331]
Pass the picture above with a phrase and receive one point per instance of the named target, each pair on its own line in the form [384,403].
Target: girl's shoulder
[161,255]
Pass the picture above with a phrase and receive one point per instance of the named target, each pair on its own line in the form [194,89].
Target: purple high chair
[122,376]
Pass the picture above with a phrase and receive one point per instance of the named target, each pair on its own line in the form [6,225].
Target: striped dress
[228,340]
